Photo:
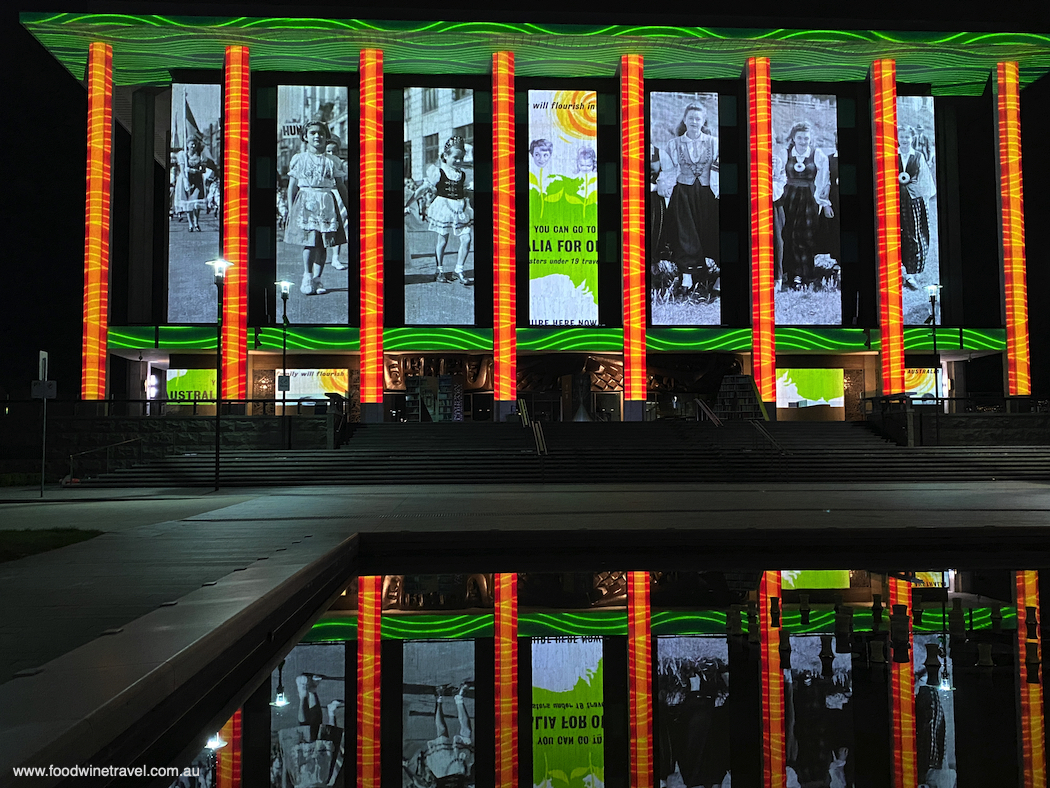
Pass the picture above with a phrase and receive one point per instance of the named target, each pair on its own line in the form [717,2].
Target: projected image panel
[194,201]
[818,693]
[803,388]
[692,720]
[563,207]
[917,176]
[568,718]
[439,206]
[683,209]
[934,709]
[312,222]
[805,209]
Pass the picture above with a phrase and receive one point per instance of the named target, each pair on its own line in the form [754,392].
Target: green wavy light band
[580,623]
[698,339]
[681,622]
[829,340]
[331,629]
[309,338]
[426,339]
[593,340]
[147,48]
[437,626]
[955,339]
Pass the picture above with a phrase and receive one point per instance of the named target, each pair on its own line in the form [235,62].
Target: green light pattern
[682,622]
[310,338]
[147,47]
[171,338]
[588,340]
[984,338]
[830,340]
[921,338]
[330,629]
[426,339]
[130,337]
[438,626]
[695,339]
[579,623]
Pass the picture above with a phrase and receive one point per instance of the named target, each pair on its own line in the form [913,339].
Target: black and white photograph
[194,200]
[806,246]
[438,714]
[917,176]
[683,209]
[308,717]
[818,725]
[439,206]
[312,198]
[693,723]
[934,711]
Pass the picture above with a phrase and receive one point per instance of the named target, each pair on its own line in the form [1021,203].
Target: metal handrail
[766,434]
[708,412]
[539,438]
[523,412]
[103,448]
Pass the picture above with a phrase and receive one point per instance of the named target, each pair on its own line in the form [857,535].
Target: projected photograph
[308,728]
[917,176]
[693,724]
[437,714]
[312,221]
[683,209]
[563,207]
[934,710]
[819,729]
[568,713]
[439,206]
[803,388]
[315,383]
[806,210]
[194,201]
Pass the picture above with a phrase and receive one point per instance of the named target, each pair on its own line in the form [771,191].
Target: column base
[372,412]
[634,410]
[504,410]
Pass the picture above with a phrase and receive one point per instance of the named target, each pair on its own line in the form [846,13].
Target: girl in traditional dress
[913,175]
[450,212]
[317,205]
[691,221]
[805,196]
[190,192]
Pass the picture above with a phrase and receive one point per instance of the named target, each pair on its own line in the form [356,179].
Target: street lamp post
[932,291]
[219,270]
[283,381]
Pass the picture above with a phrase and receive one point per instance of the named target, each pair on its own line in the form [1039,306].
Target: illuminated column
[1011,212]
[369,609]
[504,295]
[228,759]
[96,220]
[902,700]
[632,196]
[371,227]
[236,100]
[774,765]
[640,676]
[888,223]
[760,160]
[1033,732]
[506,631]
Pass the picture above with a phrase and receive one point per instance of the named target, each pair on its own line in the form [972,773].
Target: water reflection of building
[432,115]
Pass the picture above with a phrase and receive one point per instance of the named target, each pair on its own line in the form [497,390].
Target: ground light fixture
[280,700]
[215,742]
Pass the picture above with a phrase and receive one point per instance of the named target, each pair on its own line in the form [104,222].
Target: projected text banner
[439,206]
[312,201]
[805,209]
[917,176]
[194,194]
[563,208]
[683,209]
[568,718]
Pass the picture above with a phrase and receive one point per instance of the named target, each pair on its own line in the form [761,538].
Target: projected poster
[437,714]
[194,201]
[934,710]
[818,690]
[806,579]
[802,388]
[806,209]
[563,207]
[312,220]
[917,176]
[190,384]
[692,721]
[568,713]
[308,734]
[683,209]
[315,383]
[439,206]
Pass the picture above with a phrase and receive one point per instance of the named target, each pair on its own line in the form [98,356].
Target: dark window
[430,99]
[461,93]
[430,149]
[408,159]
[466,132]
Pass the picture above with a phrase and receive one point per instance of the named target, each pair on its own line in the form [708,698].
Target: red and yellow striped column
[97,220]
[228,759]
[371,132]
[1033,730]
[760,160]
[369,610]
[505,349]
[506,632]
[774,759]
[236,123]
[1011,207]
[888,224]
[902,701]
[632,197]
[640,678]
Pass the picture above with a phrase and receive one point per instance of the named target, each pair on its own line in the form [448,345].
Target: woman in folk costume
[916,184]
[805,197]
